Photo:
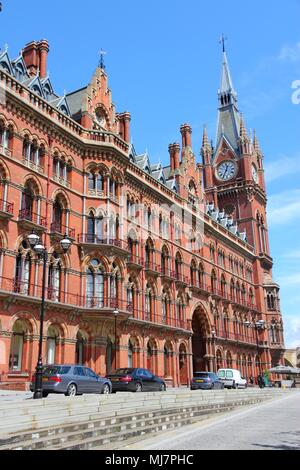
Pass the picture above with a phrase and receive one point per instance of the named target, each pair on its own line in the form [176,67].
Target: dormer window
[37,90]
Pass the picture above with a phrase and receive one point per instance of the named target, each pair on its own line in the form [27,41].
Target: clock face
[254,173]
[226,171]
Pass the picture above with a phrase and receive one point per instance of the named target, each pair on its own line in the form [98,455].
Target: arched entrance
[199,341]
[183,365]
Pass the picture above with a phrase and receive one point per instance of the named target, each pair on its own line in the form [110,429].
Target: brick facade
[157,244]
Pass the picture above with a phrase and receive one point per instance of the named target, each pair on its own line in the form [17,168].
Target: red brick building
[169,267]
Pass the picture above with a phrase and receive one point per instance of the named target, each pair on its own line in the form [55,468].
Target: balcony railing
[151,266]
[57,227]
[136,260]
[179,277]
[90,239]
[232,336]
[29,216]
[167,272]
[7,207]
[33,293]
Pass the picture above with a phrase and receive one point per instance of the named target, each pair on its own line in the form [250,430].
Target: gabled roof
[5,62]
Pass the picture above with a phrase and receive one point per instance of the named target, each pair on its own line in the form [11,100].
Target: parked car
[232,378]
[135,380]
[206,381]
[72,380]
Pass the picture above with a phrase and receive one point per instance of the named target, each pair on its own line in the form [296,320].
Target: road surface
[269,426]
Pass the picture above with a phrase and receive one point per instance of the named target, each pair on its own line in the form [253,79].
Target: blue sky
[164,65]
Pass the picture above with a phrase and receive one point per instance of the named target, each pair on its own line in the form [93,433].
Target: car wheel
[106,389]
[45,394]
[162,388]
[71,390]
[138,387]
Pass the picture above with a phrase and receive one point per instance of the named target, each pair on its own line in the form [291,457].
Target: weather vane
[223,40]
[102,54]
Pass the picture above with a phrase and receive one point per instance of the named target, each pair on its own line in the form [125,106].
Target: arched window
[130,354]
[54,278]
[213,280]
[164,261]
[223,286]
[148,302]
[23,269]
[17,346]
[270,301]
[51,349]
[201,275]
[165,306]
[193,270]
[114,284]
[28,198]
[80,347]
[130,295]
[178,266]
[95,284]
[58,215]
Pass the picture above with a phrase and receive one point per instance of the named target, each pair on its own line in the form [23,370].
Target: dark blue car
[206,381]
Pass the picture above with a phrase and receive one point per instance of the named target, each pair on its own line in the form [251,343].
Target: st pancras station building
[138,264]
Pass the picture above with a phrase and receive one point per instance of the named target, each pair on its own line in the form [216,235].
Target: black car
[135,380]
[206,381]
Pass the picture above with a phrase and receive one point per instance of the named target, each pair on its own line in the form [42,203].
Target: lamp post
[116,313]
[38,247]
[213,333]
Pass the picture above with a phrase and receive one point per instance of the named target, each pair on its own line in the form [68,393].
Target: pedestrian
[260,381]
[251,380]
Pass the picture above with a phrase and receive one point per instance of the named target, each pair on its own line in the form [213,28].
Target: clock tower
[233,170]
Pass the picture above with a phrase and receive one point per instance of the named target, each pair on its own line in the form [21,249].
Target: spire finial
[222,41]
[101,63]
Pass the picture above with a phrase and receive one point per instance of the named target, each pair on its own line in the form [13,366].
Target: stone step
[104,432]
[86,410]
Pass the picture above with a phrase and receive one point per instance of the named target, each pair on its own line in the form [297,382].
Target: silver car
[72,380]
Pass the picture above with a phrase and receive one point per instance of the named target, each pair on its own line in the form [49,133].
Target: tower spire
[228,119]
[101,62]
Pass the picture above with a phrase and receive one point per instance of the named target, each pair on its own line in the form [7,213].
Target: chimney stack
[35,57]
[186,132]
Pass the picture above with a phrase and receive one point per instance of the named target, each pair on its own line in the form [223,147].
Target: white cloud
[290,53]
[282,167]
[295,255]
[284,207]
[292,331]
[291,280]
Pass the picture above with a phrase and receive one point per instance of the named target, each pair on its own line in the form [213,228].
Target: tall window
[23,269]
[17,346]
[148,302]
[95,284]
[28,202]
[54,278]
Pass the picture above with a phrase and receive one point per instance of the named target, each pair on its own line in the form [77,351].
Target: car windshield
[53,370]
[124,371]
[201,374]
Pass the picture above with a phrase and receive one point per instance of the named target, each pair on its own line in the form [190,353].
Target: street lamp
[36,244]
[116,313]
[213,333]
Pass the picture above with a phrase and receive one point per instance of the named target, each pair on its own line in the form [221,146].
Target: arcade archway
[200,328]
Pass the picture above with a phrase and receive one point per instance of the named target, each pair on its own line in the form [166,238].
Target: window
[95,285]
[79,371]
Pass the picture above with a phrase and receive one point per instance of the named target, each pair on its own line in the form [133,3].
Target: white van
[232,378]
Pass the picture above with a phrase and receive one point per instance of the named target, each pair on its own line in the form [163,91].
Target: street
[268,426]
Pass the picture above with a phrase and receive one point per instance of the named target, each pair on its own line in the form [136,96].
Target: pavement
[269,426]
